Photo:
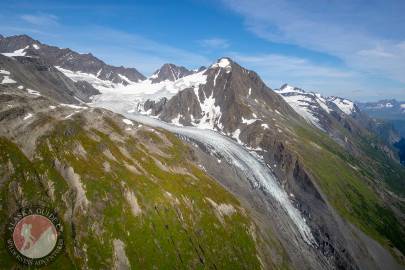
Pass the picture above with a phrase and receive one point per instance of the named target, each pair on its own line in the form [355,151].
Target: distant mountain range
[254,178]
[392,111]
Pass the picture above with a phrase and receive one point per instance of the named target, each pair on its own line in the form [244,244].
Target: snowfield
[137,92]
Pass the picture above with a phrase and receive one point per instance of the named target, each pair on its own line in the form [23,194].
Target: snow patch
[32,92]
[176,120]
[70,115]
[235,135]
[249,121]
[322,102]
[27,116]
[344,105]
[128,122]
[36,47]
[124,78]
[72,106]
[20,52]
[4,72]
[211,113]
[7,80]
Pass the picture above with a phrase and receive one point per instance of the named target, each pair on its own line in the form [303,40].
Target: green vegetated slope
[352,184]
[127,197]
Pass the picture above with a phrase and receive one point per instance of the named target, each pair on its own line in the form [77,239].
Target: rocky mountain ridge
[68,59]
[169,72]
[390,111]
[37,77]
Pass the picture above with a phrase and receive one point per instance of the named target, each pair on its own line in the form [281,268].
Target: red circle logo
[34,235]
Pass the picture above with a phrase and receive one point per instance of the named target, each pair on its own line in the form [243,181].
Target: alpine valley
[195,169]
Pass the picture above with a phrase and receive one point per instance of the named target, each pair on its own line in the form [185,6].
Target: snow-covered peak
[313,106]
[286,88]
[345,105]
[169,72]
[224,63]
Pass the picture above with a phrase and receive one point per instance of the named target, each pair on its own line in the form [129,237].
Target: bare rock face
[230,94]
[68,59]
[169,72]
[155,107]
[38,77]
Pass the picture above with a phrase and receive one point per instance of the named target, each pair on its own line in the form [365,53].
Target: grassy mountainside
[129,196]
[355,187]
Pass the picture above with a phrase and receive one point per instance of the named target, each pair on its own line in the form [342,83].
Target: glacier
[258,173]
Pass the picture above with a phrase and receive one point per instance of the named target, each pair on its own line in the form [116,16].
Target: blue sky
[349,48]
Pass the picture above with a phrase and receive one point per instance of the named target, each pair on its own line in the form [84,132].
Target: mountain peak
[169,72]
[67,59]
[287,88]
[224,62]
[13,43]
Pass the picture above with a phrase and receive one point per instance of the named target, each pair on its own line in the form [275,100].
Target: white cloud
[40,19]
[122,48]
[214,43]
[343,29]
[299,67]
[113,46]
[277,69]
